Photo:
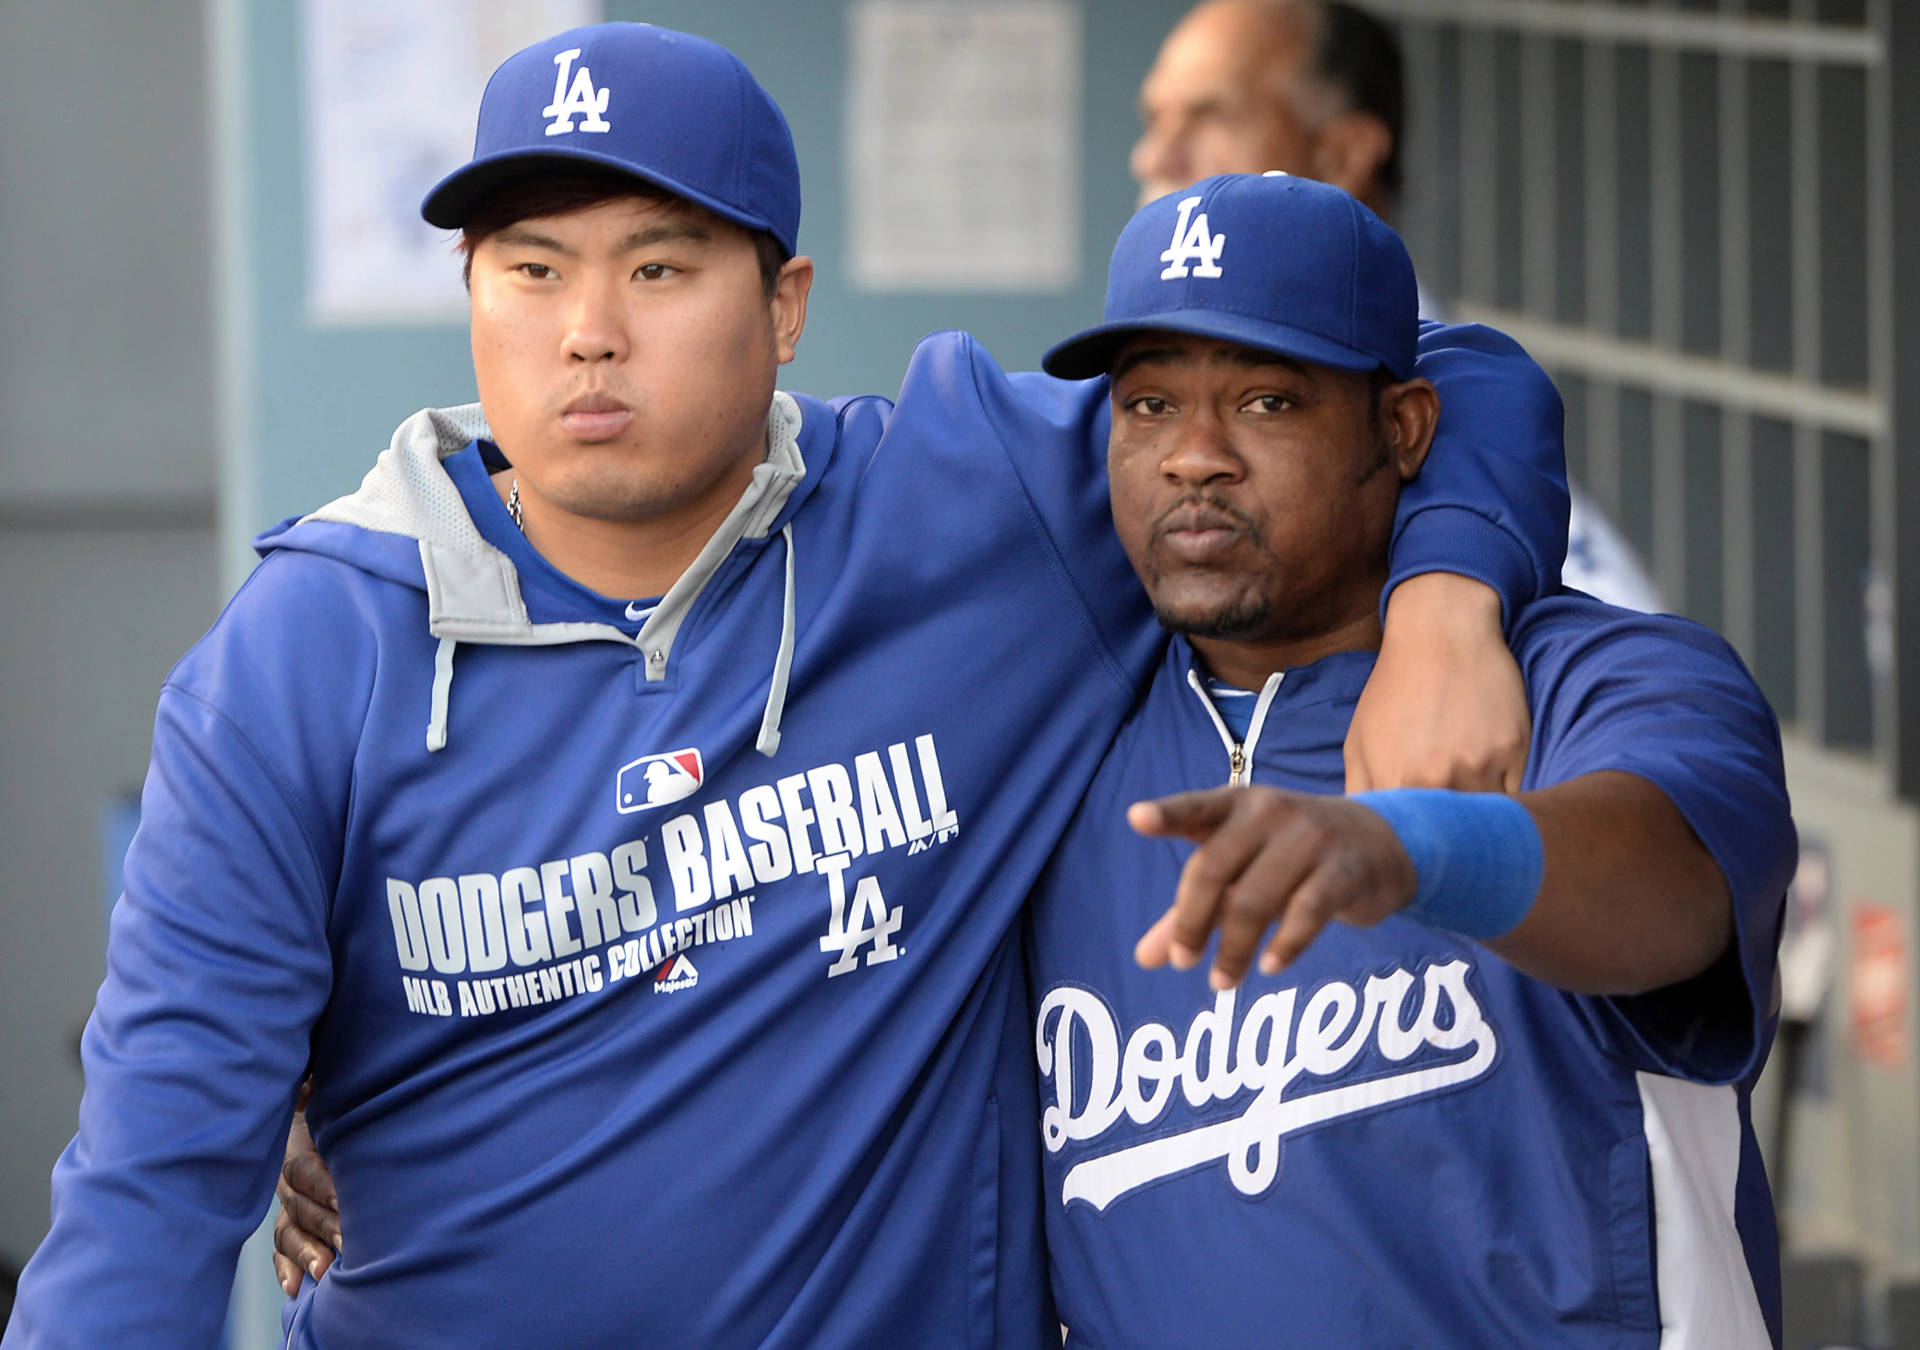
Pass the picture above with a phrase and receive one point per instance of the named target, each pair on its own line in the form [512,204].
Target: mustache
[1204,511]
[597,395]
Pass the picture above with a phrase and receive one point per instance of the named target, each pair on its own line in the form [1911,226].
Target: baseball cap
[1280,264]
[671,109]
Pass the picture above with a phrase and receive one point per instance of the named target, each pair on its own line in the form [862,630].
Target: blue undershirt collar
[550,594]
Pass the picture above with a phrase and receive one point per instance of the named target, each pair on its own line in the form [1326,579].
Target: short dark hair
[1359,57]
[576,190]
[1379,380]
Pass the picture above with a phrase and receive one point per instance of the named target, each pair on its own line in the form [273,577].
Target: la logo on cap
[582,99]
[1192,243]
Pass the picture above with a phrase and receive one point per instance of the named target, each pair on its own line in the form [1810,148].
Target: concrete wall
[1851,1181]
[91,618]
[106,499]
[105,366]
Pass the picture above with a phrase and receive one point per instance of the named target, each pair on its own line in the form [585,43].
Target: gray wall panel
[106,498]
[90,623]
[105,329]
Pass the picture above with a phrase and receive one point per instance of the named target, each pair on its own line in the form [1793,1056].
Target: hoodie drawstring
[442,686]
[769,740]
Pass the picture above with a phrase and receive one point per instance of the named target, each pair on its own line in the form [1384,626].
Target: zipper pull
[1237,762]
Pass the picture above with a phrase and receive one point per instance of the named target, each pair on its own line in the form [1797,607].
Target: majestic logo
[657,780]
[1192,243]
[1277,1050]
[676,975]
[581,100]
[871,922]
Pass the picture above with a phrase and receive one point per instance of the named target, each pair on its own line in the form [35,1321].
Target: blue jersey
[657,968]
[1400,1140]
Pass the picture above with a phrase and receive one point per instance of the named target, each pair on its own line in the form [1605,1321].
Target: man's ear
[1350,151]
[1408,414]
[789,305]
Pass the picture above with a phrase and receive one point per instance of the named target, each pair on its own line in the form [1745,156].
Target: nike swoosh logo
[637,611]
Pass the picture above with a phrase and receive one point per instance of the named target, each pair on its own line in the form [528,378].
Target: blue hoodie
[659,977]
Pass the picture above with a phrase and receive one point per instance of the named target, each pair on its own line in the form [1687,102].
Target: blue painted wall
[325,400]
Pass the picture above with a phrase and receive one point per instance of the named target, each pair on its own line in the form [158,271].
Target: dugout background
[1693,212]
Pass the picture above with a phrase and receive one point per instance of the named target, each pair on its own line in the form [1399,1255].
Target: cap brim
[1090,353]
[453,197]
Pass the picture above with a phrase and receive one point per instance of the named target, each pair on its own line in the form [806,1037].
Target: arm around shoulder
[1479,533]
[1491,500]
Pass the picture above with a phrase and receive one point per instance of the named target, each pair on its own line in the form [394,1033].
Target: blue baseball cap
[1280,264]
[671,109]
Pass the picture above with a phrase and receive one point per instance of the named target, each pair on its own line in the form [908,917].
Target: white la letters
[870,922]
[1192,243]
[582,100]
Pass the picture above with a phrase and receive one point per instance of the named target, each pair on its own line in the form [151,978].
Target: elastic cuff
[1462,541]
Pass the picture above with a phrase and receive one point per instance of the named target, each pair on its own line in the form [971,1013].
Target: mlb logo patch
[657,780]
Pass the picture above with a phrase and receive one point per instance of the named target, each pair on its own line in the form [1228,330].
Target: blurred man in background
[1318,90]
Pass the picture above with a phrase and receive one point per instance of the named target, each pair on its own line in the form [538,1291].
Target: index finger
[1188,815]
[1225,885]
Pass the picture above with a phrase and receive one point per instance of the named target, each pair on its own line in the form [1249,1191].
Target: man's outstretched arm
[1659,845]
[1622,897]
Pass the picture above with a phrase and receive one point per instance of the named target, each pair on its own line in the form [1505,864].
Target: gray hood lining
[473,589]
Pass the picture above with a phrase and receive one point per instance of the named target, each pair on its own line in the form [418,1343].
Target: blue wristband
[1477,857]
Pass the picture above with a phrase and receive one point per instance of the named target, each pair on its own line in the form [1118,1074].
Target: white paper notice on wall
[963,132]
[390,95]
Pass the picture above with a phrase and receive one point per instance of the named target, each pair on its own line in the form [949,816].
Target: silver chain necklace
[513,505]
